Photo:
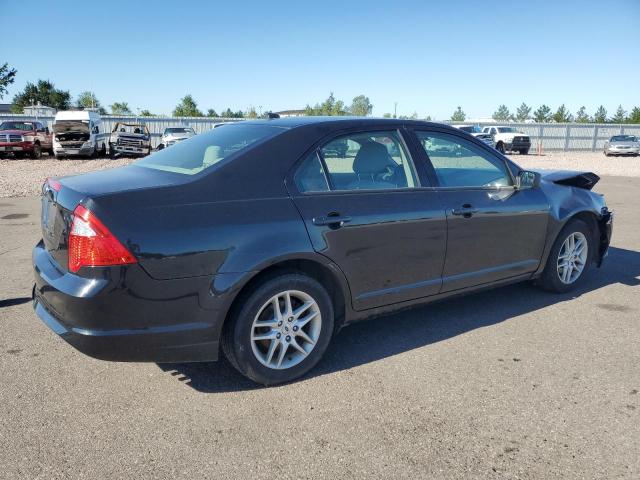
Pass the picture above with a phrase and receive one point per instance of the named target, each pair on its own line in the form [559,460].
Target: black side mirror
[527,179]
[46,130]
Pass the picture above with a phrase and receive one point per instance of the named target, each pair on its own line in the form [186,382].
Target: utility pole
[395,109]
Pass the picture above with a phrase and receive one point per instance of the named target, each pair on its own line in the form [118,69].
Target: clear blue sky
[428,56]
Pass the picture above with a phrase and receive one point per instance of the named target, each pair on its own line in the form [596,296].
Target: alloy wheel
[572,257]
[286,329]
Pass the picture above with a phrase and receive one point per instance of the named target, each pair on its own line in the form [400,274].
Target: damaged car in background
[173,135]
[131,139]
[77,133]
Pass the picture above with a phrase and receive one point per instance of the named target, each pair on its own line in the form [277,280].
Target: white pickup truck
[509,139]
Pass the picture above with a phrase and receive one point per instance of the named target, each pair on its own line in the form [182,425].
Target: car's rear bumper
[125,315]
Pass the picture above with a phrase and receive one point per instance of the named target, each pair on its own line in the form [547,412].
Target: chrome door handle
[334,221]
[465,211]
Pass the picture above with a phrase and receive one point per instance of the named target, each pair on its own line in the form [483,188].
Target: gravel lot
[19,178]
[510,383]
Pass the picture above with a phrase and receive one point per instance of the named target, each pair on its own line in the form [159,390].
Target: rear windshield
[198,153]
[506,130]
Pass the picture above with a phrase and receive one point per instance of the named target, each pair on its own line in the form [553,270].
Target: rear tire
[273,359]
[555,278]
[524,151]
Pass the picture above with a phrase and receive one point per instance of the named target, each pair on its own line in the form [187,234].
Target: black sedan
[264,238]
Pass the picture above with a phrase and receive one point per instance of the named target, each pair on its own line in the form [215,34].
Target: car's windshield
[623,138]
[506,130]
[198,153]
[130,128]
[169,131]
[25,126]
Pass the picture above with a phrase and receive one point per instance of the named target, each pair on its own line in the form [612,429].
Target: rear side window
[203,151]
[358,161]
[310,176]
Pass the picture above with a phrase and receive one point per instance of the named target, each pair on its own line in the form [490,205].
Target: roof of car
[292,122]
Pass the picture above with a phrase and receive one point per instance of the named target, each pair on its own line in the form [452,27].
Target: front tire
[500,147]
[569,259]
[36,153]
[280,330]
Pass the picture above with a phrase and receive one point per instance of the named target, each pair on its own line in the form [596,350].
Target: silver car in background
[173,135]
[622,145]
[477,132]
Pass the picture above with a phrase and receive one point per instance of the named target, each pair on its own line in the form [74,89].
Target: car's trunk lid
[62,196]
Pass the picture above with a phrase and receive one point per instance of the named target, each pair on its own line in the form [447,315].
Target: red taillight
[91,244]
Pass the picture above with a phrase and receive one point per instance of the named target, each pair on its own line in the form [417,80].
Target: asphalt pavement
[509,383]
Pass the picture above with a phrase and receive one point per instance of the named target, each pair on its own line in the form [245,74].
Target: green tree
[212,113]
[187,108]
[620,115]
[502,114]
[523,112]
[582,116]
[88,99]
[329,107]
[428,119]
[562,115]
[7,77]
[601,115]
[413,116]
[251,113]
[146,113]
[120,108]
[361,106]
[458,115]
[634,116]
[542,114]
[45,93]
[387,115]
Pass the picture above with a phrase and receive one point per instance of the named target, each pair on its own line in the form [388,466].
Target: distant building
[5,108]
[39,110]
[291,113]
